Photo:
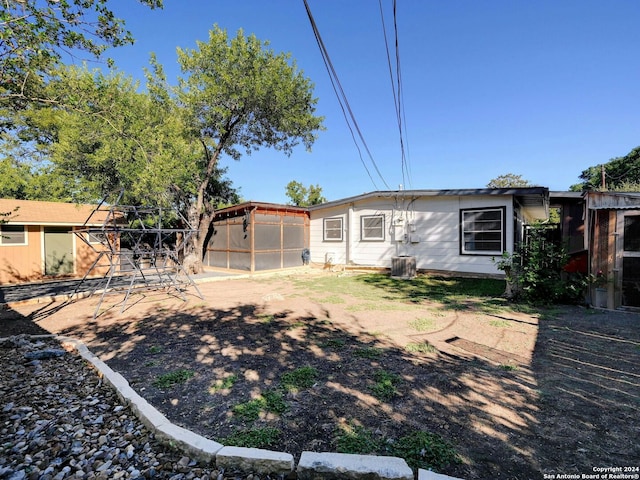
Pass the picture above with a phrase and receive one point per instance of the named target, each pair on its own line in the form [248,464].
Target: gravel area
[59,421]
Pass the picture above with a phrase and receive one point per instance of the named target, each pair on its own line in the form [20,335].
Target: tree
[302,196]
[35,34]
[509,180]
[618,174]
[101,135]
[237,96]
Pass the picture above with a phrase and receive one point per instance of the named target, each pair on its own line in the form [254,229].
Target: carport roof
[32,212]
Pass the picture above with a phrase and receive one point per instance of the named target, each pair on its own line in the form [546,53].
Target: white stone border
[312,465]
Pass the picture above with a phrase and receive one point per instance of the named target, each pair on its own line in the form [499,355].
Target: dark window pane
[12,235]
[632,233]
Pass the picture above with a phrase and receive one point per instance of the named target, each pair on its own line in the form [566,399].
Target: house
[37,240]
[459,231]
[602,232]
[255,236]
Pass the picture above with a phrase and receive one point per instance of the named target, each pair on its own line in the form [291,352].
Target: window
[372,227]
[482,231]
[333,229]
[12,235]
[96,237]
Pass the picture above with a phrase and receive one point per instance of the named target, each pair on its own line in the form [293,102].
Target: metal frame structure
[151,262]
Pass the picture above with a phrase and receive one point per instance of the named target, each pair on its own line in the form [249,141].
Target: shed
[37,240]
[613,224]
[254,236]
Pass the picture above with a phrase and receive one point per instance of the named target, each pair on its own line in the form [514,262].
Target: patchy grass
[368,352]
[263,437]
[500,323]
[298,379]
[421,347]
[334,343]
[509,367]
[425,450]
[355,439]
[223,384]
[423,324]
[270,401]
[385,386]
[266,318]
[155,349]
[171,379]
[332,299]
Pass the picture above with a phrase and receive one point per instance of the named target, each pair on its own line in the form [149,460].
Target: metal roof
[613,200]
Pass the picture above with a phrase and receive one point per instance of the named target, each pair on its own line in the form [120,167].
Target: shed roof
[242,208]
[32,212]
[613,200]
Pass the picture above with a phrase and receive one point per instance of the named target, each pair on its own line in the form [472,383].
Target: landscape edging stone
[312,465]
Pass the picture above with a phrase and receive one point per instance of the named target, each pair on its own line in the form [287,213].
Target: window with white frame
[332,229]
[13,235]
[372,227]
[482,231]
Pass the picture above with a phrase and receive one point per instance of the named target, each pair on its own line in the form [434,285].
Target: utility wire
[396,88]
[404,142]
[342,100]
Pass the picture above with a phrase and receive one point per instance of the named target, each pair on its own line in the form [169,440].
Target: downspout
[347,234]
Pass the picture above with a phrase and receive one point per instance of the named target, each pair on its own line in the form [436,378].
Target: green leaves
[33,35]
[242,96]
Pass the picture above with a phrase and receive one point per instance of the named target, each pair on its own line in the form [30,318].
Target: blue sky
[541,89]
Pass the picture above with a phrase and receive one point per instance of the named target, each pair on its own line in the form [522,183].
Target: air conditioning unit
[403,266]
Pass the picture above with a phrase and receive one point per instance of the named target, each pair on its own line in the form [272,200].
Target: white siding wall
[319,248]
[436,223]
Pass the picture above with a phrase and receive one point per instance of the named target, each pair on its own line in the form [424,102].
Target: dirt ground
[518,395]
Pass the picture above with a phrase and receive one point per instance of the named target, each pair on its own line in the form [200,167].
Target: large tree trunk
[194,253]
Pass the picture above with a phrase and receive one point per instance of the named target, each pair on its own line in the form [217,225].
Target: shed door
[58,251]
[629,250]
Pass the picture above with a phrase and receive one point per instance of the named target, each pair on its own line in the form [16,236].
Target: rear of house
[444,230]
[40,240]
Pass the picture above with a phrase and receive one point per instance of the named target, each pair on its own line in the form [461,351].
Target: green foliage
[223,384]
[422,347]
[171,379]
[509,180]
[620,174]
[536,271]
[270,401]
[334,343]
[304,196]
[355,439]
[35,34]
[368,352]
[263,437]
[303,377]
[385,386]
[508,367]
[425,450]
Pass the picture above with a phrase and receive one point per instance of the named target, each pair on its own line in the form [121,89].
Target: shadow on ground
[573,408]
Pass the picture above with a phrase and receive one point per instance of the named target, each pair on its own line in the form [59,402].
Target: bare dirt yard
[439,371]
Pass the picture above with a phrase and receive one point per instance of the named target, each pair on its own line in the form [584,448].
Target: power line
[396,88]
[342,100]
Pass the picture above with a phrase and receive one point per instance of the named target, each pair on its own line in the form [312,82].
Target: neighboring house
[602,231]
[458,231]
[37,240]
[254,236]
